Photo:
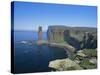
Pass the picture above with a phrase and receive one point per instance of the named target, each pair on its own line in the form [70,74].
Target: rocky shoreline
[79,61]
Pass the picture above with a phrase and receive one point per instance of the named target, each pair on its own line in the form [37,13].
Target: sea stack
[39,33]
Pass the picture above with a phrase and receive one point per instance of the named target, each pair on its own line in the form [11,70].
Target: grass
[90,52]
[87,65]
[84,62]
[71,68]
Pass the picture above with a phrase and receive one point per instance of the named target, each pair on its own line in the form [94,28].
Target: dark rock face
[71,40]
[78,37]
[89,40]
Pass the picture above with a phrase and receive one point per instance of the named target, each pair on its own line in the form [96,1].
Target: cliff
[78,37]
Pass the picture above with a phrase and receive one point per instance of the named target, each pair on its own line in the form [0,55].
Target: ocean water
[29,58]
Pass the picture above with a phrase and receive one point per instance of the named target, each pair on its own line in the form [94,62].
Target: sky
[29,15]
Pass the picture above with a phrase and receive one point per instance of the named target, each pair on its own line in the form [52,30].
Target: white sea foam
[24,42]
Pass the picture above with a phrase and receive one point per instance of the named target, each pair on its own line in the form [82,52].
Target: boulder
[64,64]
[81,53]
[93,60]
[77,61]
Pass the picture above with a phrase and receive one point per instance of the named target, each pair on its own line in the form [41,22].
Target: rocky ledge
[82,59]
[64,64]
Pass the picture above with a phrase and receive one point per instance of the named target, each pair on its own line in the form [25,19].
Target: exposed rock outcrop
[80,53]
[93,60]
[64,64]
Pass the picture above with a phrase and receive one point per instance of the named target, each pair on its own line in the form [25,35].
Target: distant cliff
[78,37]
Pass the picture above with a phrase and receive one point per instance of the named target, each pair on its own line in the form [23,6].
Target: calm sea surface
[32,57]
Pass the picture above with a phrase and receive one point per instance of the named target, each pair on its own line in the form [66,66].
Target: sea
[30,58]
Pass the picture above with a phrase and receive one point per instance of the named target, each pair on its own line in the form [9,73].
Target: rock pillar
[39,33]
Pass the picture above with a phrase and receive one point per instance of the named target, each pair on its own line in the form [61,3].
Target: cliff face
[78,37]
[55,34]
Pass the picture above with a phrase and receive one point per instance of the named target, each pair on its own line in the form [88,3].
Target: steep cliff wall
[55,34]
[78,37]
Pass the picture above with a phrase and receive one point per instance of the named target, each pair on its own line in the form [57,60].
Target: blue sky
[28,16]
